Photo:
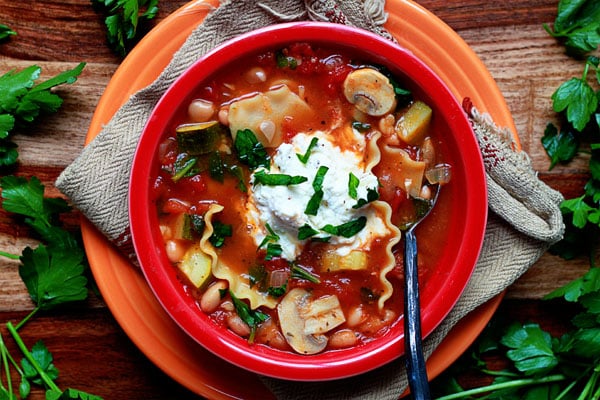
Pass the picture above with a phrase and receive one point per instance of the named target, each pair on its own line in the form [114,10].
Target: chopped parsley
[257,275]
[372,195]
[264,178]
[347,229]
[315,201]
[284,61]
[277,291]
[300,273]
[253,318]
[250,151]
[304,157]
[184,166]
[220,232]
[353,183]
[306,231]
[273,248]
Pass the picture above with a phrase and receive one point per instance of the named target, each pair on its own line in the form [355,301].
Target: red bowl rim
[179,305]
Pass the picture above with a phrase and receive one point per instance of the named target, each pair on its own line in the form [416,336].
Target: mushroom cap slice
[293,324]
[370,91]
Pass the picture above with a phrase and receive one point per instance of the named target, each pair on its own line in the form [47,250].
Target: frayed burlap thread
[524,219]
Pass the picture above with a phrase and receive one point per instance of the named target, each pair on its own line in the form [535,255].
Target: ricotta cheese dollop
[283,208]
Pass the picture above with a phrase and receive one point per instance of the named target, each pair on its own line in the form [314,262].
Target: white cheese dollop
[283,207]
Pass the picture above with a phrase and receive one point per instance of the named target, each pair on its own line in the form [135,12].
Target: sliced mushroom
[370,91]
[303,320]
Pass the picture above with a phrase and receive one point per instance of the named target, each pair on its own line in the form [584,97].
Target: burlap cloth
[524,219]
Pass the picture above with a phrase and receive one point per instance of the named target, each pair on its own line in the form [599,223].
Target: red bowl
[465,206]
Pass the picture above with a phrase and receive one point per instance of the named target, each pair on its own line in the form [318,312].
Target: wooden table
[90,349]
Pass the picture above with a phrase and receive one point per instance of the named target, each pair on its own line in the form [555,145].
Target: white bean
[201,110]
[356,316]
[211,298]
[256,75]
[268,333]
[343,338]
[237,325]
[175,250]
[223,116]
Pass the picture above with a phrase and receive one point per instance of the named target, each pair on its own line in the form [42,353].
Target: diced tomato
[196,183]
[173,206]
[397,200]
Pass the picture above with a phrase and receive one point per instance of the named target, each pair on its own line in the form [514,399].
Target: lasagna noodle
[237,284]
[373,157]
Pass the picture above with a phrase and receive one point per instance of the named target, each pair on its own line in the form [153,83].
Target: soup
[283,191]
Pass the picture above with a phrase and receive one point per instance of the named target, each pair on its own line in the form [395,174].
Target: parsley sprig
[22,101]
[122,20]
[54,274]
[542,366]
[578,24]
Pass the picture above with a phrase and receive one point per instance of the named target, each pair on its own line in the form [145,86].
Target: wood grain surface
[90,348]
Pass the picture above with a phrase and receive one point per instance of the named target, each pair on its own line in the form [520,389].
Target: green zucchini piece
[199,138]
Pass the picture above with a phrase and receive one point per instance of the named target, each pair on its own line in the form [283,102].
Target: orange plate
[123,286]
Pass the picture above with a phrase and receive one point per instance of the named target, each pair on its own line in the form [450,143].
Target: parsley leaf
[306,231]
[273,248]
[347,229]
[578,23]
[530,348]
[123,18]
[304,157]
[353,183]
[315,201]
[184,166]
[578,98]
[265,178]
[285,61]
[300,273]
[277,291]
[44,359]
[580,209]
[53,278]
[26,198]
[6,32]
[252,318]
[22,101]
[249,150]
[372,195]
[560,147]
[220,232]
[588,283]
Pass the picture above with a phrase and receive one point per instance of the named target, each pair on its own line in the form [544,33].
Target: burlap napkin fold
[524,221]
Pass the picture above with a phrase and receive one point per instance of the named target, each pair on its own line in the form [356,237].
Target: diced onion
[278,278]
[441,174]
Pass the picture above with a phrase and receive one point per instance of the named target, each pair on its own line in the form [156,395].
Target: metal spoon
[415,361]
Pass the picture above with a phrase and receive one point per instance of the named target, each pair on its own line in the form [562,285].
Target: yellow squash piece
[196,265]
[353,261]
[411,126]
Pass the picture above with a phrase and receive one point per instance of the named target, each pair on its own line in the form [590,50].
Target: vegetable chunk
[196,265]
[412,125]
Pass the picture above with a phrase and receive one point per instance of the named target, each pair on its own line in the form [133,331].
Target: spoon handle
[415,361]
